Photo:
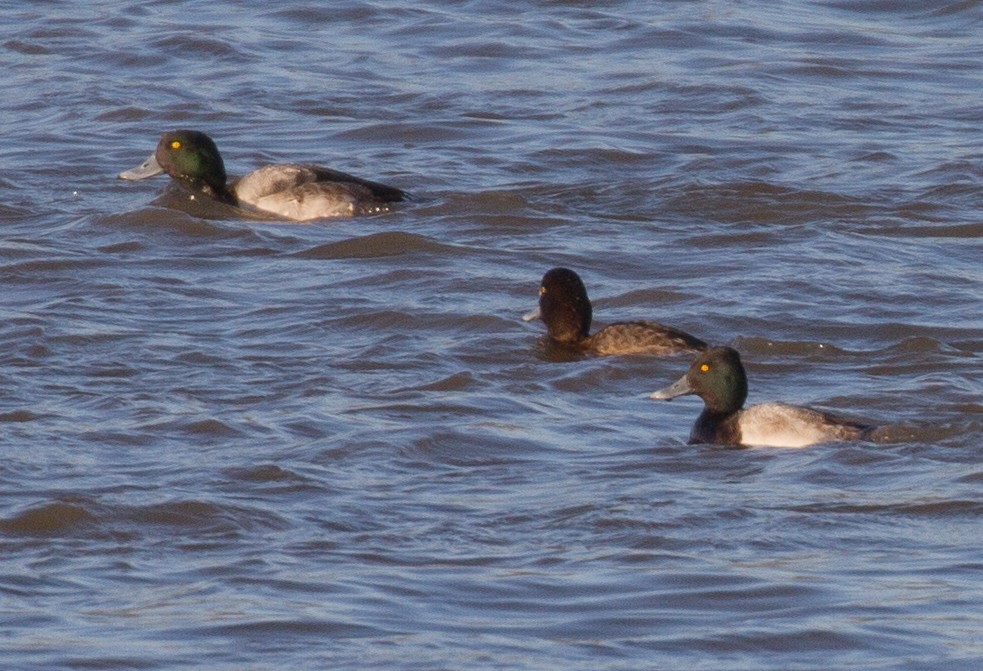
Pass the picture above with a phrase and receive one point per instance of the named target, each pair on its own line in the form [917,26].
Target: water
[237,444]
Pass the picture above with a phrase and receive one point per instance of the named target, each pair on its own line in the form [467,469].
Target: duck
[567,312]
[718,377]
[291,191]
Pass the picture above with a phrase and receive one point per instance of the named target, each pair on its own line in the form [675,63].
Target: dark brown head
[564,306]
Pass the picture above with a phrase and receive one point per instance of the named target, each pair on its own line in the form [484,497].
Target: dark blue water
[230,443]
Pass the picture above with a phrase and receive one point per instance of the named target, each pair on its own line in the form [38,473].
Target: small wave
[268,477]
[943,508]
[203,428]
[758,345]
[205,517]
[376,245]
[262,473]
[83,517]
[191,45]
[20,416]
[162,219]
[762,202]
[971,230]
[49,519]
[278,629]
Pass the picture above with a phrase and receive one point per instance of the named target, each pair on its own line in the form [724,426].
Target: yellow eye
[542,290]
[705,368]
[176,144]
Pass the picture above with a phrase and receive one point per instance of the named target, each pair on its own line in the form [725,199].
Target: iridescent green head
[188,156]
[717,376]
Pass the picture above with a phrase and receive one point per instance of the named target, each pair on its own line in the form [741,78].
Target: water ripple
[233,443]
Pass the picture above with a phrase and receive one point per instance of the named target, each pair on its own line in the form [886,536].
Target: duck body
[773,425]
[567,313]
[717,376]
[292,191]
[642,337]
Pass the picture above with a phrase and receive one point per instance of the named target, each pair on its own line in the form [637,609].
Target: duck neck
[716,427]
[214,189]
[568,329]
[219,192]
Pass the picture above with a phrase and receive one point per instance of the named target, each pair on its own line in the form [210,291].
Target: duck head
[717,376]
[188,156]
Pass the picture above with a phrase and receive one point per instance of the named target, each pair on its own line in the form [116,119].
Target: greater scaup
[297,192]
[717,376]
[566,310]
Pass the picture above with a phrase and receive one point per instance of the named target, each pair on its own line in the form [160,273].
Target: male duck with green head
[292,191]
[717,376]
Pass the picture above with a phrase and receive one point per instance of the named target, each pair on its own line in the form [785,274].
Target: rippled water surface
[231,443]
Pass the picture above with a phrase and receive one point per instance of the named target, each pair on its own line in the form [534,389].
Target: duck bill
[534,314]
[148,168]
[680,387]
